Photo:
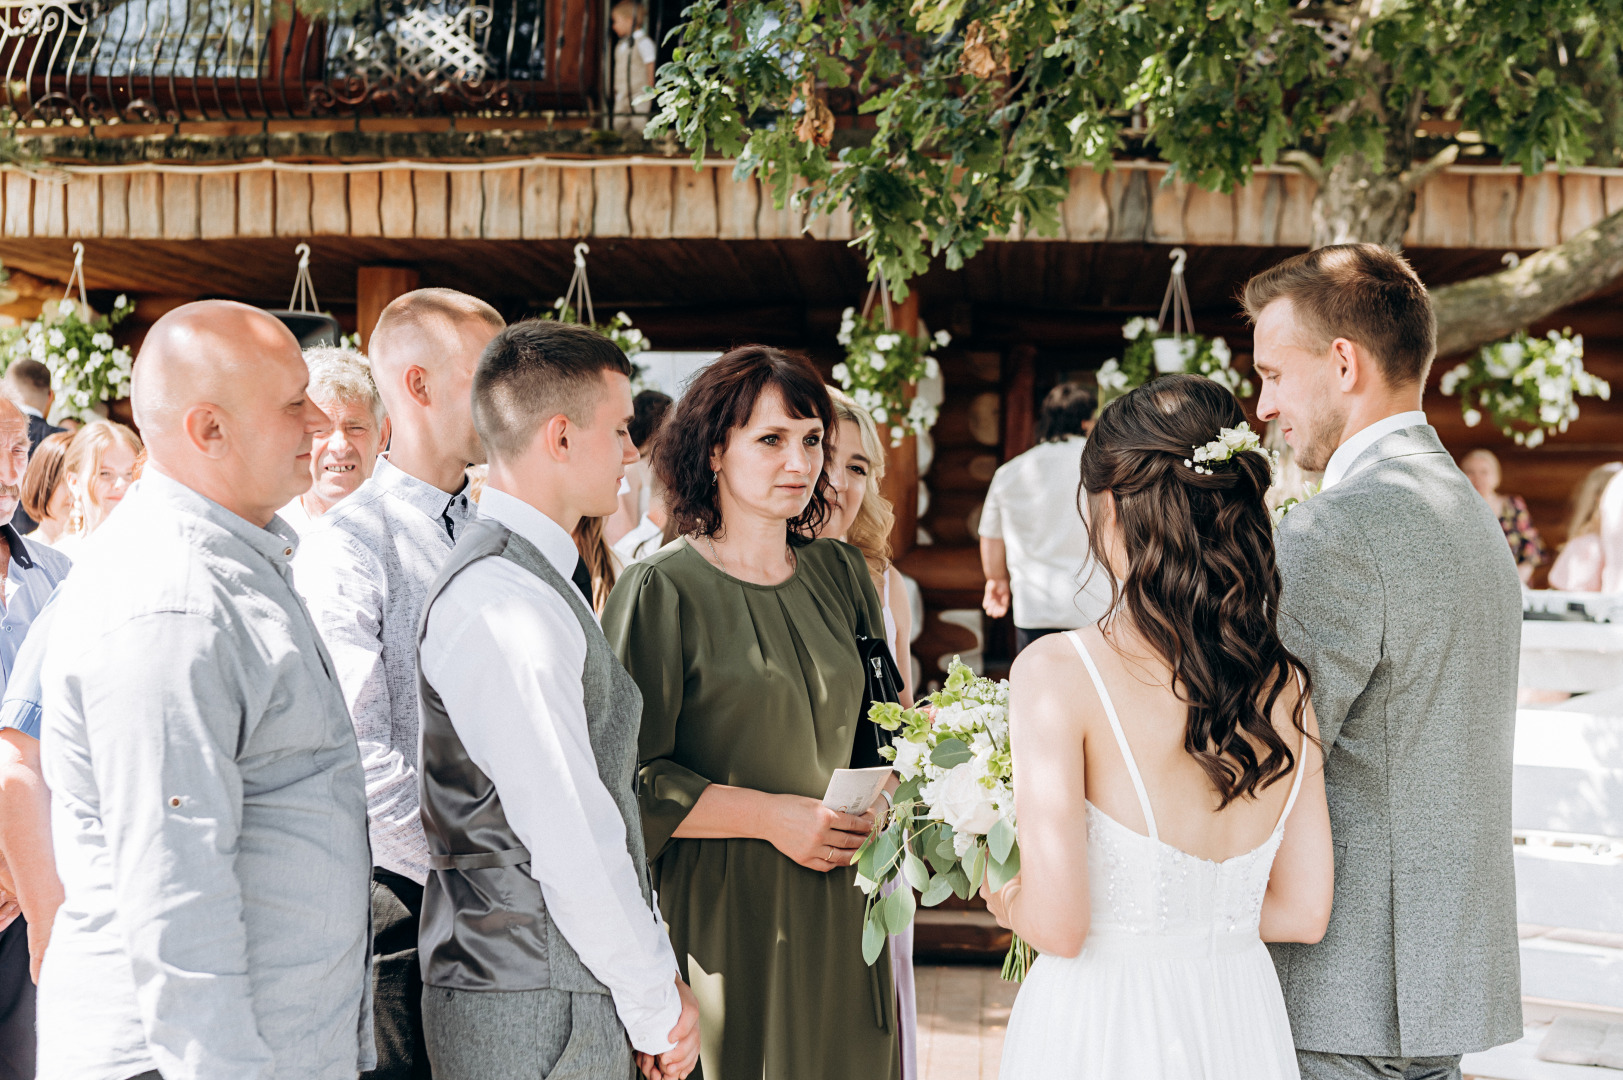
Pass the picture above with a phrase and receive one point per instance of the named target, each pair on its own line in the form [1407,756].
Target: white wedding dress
[1173,982]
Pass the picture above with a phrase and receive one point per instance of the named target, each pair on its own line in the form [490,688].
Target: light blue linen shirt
[207,809]
[35,572]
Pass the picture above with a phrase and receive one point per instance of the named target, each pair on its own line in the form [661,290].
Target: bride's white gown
[1173,982]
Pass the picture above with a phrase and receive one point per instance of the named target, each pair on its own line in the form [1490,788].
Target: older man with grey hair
[208,806]
[357,429]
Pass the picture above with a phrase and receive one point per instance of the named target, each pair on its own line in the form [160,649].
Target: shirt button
[287,551]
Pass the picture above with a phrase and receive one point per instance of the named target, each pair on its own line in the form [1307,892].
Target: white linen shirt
[1032,507]
[1341,462]
[364,568]
[506,654]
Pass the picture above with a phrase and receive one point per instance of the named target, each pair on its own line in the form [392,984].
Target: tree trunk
[1357,203]
[1475,312]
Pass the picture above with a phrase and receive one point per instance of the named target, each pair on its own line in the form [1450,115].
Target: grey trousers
[524,1035]
[1317,1066]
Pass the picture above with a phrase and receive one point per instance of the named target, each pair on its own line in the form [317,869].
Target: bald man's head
[425,326]
[219,394]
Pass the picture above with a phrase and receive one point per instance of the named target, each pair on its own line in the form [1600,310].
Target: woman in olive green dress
[742,637]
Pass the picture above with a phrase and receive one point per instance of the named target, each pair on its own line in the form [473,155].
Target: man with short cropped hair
[207,801]
[539,915]
[364,569]
[1403,600]
[345,451]
[28,383]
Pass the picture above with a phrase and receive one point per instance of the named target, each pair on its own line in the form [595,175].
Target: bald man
[208,807]
[28,883]
[364,570]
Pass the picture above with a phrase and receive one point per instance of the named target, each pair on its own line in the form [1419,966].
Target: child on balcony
[634,56]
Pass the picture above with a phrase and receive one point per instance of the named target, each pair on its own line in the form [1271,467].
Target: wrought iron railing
[168,61]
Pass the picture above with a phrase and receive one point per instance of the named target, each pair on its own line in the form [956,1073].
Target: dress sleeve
[643,622]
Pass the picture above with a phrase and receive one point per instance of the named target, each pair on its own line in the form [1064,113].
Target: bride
[1180,730]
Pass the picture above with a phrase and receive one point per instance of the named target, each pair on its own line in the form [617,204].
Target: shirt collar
[29,410]
[420,495]
[276,543]
[547,535]
[1348,453]
[19,549]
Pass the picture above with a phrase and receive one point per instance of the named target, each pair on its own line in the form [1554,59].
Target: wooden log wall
[1471,207]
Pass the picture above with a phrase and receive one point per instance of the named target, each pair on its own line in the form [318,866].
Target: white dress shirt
[1032,507]
[507,655]
[1341,462]
[640,542]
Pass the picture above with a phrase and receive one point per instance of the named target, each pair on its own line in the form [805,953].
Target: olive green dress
[757,686]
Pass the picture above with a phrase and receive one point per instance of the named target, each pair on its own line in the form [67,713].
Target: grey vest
[485,925]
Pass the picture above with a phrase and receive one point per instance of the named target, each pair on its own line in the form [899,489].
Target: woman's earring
[715,477]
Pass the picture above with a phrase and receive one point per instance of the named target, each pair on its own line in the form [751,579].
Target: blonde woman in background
[862,517]
[101,464]
[1579,566]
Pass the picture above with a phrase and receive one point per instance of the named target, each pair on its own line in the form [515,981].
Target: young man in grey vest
[542,953]
[1401,596]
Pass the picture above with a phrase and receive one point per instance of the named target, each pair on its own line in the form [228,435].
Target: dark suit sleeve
[1333,610]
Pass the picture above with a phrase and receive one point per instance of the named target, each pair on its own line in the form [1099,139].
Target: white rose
[886,342]
[1472,418]
[876,362]
[910,758]
[73,355]
[1220,349]
[931,367]
[103,341]
[897,434]
[964,802]
[65,307]
[880,416]
[841,373]
[122,301]
[1535,438]
[942,339]
[56,339]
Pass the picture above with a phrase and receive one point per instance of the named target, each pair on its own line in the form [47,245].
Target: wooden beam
[375,288]
[901,481]
[1019,410]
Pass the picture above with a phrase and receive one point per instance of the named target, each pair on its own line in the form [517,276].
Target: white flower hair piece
[1229,442]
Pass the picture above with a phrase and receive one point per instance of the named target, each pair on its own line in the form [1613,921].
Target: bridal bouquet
[952,824]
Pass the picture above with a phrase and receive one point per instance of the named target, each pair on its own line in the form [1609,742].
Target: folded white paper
[853,791]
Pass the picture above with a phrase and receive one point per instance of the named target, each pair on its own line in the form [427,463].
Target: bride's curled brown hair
[1201,582]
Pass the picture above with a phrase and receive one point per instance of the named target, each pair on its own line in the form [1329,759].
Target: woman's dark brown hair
[719,401]
[47,470]
[1201,585]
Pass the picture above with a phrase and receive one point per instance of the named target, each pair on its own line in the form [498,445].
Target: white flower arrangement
[952,825]
[87,368]
[1286,506]
[1527,386]
[1150,353]
[618,329]
[880,365]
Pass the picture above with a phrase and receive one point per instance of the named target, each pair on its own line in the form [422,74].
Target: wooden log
[256,204]
[838,223]
[1019,407]
[329,204]
[1583,202]
[577,202]
[778,224]
[292,203]
[539,194]
[1295,210]
[50,209]
[503,215]
[1256,211]
[366,204]
[397,205]
[1167,200]
[650,202]
[217,205]
[1209,216]
[1446,221]
[432,193]
[467,205]
[901,480]
[1538,214]
[375,288]
[738,206]
[84,206]
[146,205]
[1493,210]
[693,203]
[1614,194]
[115,205]
[1130,198]
[611,215]
[180,206]
[1085,214]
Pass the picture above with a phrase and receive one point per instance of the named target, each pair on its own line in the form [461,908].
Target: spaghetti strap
[1301,767]
[1121,738]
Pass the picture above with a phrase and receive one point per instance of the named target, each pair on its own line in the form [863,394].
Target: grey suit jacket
[1401,596]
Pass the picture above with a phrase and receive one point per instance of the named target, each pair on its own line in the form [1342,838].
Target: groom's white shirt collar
[547,535]
[1341,462]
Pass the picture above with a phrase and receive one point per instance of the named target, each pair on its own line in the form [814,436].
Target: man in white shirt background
[1034,547]
[364,569]
[344,452]
[539,915]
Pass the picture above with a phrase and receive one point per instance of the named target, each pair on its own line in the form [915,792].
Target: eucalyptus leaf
[960,883]
[977,868]
[940,888]
[950,752]
[1001,839]
[918,875]
[899,908]
[873,934]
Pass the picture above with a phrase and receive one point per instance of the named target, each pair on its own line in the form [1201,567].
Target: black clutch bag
[882,682]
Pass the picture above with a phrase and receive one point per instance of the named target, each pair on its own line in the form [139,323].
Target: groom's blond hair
[1361,292]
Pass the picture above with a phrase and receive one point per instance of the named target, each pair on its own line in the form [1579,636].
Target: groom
[542,955]
[1402,597]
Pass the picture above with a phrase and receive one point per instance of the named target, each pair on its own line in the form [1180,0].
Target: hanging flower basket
[87,369]
[618,329]
[1526,386]
[882,362]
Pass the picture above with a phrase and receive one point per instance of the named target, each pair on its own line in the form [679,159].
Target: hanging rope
[77,277]
[1177,298]
[304,290]
[579,293]
[881,288]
